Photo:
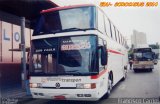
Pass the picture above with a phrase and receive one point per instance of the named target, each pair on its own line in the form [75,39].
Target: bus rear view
[143,59]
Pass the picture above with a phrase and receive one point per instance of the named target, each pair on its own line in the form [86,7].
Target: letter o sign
[17,37]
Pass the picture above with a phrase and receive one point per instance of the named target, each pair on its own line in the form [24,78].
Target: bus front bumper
[66,94]
[143,67]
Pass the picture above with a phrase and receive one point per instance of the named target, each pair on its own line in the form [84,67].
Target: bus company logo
[57,85]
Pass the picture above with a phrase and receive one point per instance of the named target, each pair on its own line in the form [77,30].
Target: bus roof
[65,7]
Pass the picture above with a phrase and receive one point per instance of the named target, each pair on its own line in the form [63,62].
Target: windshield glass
[66,20]
[64,56]
[143,56]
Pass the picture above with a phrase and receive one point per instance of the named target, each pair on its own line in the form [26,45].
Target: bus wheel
[109,88]
[124,75]
[135,70]
[150,70]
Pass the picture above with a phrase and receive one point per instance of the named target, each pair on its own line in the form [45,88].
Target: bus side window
[115,33]
[107,27]
[119,37]
[110,25]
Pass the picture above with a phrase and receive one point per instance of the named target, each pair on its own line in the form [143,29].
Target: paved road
[137,85]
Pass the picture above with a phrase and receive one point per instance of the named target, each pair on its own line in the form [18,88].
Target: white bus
[76,54]
[143,59]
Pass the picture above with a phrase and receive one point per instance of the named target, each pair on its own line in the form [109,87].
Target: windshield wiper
[74,29]
[79,73]
[55,31]
[74,71]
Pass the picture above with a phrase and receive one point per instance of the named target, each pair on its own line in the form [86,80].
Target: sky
[127,19]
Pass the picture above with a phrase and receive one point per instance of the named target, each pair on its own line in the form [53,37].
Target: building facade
[10,53]
[138,39]
[11,13]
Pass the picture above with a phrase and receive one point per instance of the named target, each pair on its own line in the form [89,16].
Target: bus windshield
[145,54]
[64,56]
[66,20]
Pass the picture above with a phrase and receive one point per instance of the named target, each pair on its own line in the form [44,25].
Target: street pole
[23,53]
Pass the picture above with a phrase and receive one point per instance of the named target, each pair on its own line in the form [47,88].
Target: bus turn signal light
[93,85]
[86,86]
[35,85]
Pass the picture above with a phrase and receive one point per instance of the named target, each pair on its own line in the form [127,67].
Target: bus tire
[109,88]
[110,85]
[123,79]
[135,70]
[124,75]
[150,70]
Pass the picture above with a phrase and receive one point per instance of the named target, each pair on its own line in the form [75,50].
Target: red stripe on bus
[65,7]
[115,52]
[99,75]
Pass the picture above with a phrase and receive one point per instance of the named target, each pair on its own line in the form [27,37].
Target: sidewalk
[16,94]
[13,93]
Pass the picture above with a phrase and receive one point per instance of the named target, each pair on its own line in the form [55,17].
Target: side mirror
[104,55]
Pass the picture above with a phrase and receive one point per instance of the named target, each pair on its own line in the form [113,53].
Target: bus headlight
[86,86]
[35,85]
